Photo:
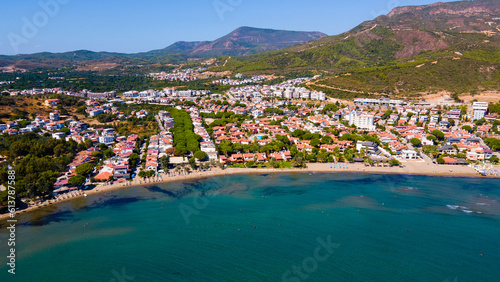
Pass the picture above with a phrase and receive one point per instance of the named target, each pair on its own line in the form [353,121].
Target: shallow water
[267,227]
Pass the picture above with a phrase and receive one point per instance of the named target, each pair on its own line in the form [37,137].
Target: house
[286,155]
[12,124]
[368,146]
[151,165]
[479,154]
[121,171]
[96,112]
[104,176]
[261,157]
[58,135]
[51,102]
[54,116]
[452,161]
[409,155]
[236,158]
[106,173]
[276,156]
[108,139]
[448,150]
[248,157]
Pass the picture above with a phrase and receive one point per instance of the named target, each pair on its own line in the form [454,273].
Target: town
[280,126]
[178,75]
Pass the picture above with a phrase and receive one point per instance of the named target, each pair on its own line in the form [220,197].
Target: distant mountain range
[242,41]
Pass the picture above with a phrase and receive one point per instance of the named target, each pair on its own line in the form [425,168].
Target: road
[159,123]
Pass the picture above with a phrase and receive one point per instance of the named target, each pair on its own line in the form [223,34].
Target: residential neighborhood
[259,126]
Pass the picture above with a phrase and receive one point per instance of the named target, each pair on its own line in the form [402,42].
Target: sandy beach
[410,168]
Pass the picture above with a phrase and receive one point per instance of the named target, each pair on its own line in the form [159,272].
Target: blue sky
[28,26]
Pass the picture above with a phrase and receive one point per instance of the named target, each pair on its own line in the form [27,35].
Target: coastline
[410,168]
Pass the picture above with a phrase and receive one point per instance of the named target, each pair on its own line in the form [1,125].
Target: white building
[362,121]
[409,155]
[106,139]
[257,113]
[130,94]
[479,110]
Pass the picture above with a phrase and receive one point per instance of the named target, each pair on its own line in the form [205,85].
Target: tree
[84,169]
[315,142]
[97,154]
[394,162]
[192,162]
[494,159]
[45,183]
[77,180]
[164,161]
[326,140]
[180,151]
[88,143]
[59,150]
[19,148]
[416,142]
[467,128]
[170,151]
[81,110]
[108,153]
[133,158]
[439,134]
[200,155]
[480,122]
[440,160]
[65,130]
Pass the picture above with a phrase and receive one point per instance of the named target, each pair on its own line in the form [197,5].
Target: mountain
[453,46]
[242,41]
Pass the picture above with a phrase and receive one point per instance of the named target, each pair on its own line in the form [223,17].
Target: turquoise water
[265,227]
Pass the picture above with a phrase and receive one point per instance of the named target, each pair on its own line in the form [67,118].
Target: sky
[126,26]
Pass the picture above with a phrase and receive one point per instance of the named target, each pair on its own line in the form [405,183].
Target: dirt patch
[444,96]
[209,74]
[486,96]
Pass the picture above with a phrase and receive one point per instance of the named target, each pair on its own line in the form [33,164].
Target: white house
[409,155]
[107,139]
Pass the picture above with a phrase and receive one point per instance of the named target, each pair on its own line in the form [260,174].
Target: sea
[267,227]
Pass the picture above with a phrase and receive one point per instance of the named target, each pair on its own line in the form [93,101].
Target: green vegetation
[145,174]
[133,159]
[84,169]
[493,143]
[200,155]
[164,162]
[494,108]
[77,180]
[185,140]
[394,162]
[416,142]
[438,134]
[37,160]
